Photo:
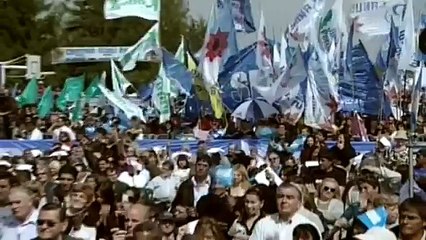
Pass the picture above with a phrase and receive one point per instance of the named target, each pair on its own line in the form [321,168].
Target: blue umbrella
[254,110]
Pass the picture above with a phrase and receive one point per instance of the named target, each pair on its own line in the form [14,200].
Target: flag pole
[411,138]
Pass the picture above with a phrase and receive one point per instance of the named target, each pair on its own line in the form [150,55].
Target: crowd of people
[98,182]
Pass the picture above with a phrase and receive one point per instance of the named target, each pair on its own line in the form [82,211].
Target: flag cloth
[216,103]
[242,14]
[71,92]
[177,72]
[181,51]
[46,103]
[147,49]
[409,42]
[119,82]
[148,9]
[77,111]
[93,90]
[263,50]
[30,94]
[161,95]
[283,52]
[358,128]
[305,19]
[129,108]
[220,42]
[416,96]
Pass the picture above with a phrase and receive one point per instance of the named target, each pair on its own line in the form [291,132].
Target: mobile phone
[121,220]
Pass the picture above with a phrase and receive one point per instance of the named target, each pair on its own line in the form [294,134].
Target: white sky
[278,13]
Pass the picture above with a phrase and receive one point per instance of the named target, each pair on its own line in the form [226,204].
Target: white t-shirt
[66,129]
[137,181]
[84,233]
[273,228]
[36,134]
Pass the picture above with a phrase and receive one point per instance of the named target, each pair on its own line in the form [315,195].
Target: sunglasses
[49,223]
[328,189]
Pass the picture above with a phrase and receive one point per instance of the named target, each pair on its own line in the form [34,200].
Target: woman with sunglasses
[328,201]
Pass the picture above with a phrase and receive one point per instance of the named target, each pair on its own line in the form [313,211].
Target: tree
[94,30]
[21,33]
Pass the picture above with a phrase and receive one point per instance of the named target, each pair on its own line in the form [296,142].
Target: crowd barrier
[16,147]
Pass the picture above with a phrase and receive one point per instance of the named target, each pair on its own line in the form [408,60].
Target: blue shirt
[21,231]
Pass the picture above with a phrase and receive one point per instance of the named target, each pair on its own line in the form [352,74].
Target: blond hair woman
[241,182]
[328,201]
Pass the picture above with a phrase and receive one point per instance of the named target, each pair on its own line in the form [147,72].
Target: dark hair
[370,179]
[169,165]
[107,193]
[251,191]
[7,176]
[204,158]
[416,204]
[68,169]
[288,186]
[303,231]
[55,207]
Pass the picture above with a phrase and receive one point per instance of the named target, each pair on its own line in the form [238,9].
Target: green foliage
[21,33]
[94,30]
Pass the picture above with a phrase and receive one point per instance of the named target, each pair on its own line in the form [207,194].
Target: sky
[278,13]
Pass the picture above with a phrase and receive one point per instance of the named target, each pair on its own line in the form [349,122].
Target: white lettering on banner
[366,6]
[116,5]
[304,12]
[238,14]
[86,54]
[396,12]
[298,103]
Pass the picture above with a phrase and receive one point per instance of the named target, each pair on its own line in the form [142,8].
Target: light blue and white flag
[161,95]
[147,49]
[243,19]
[409,42]
[416,95]
[374,218]
[305,19]
[148,9]
[129,108]
[119,82]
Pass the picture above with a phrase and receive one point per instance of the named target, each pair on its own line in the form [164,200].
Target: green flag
[92,90]
[71,93]
[77,111]
[46,103]
[30,94]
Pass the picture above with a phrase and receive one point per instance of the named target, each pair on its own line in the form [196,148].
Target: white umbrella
[254,110]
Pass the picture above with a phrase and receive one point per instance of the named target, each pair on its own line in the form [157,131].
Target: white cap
[36,153]
[176,154]
[375,233]
[24,167]
[59,154]
[215,150]
[5,163]
[158,149]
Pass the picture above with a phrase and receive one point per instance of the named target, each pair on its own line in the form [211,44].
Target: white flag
[409,45]
[147,49]
[119,81]
[148,9]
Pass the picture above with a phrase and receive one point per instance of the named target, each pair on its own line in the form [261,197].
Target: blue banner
[361,90]
[16,147]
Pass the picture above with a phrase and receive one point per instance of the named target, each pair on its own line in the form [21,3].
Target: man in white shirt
[282,224]
[136,176]
[24,225]
[164,186]
[34,132]
[5,211]
[59,127]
